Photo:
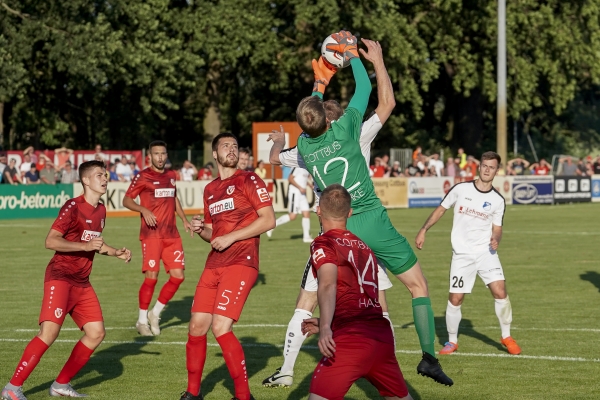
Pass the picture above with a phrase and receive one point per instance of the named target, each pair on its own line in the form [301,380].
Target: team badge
[102,223]
[151,263]
[318,254]
[173,182]
[230,189]
[58,312]
[487,206]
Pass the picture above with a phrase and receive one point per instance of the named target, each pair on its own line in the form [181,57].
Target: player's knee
[177,274]
[292,217]
[96,335]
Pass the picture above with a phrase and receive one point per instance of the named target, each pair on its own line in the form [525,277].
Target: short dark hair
[333,110]
[86,167]
[157,143]
[491,155]
[335,202]
[244,150]
[311,117]
[215,142]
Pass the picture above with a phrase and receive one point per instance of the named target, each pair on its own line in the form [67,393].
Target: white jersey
[474,214]
[369,129]
[300,177]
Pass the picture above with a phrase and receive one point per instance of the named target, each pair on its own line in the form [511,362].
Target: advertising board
[33,201]
[427,192]
[532,189]
[595,188]
[572,189]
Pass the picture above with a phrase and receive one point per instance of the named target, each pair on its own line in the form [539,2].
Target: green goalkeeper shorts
[391,248]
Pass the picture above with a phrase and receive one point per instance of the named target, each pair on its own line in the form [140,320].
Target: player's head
[488,167]
[311,117]
[92,175]
[157,150]
[335,204]
[225,149]
[243,158]
[333,110]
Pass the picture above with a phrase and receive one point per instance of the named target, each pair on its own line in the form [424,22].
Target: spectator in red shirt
[541,168]
[206,173]
[377,169]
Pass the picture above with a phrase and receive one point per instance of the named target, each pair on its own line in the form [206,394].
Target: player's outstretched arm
[327,276]
[264,222]
[323,73]
[55,241]
[181,214]
[278,139]
[122,253]
[433,218]
[385,91]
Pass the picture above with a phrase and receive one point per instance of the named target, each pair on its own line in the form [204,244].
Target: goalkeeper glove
[347,45]
[324,71]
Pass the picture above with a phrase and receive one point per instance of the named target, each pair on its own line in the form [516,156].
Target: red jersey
[357,309]
[378,172]
[232,204]
[78,221]
[157,193]
[542,170]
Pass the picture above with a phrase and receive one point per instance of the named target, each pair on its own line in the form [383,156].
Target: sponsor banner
[595,188]
[571,189]
[393,192]
[427,191]
[33,201]
[503,184]
[279,189]
[532,189]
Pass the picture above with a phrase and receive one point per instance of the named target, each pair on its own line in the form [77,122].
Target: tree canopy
[124,72]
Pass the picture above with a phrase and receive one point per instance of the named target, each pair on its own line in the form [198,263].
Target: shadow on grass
[257,357]
[177,312]
[593,277]
[105,362]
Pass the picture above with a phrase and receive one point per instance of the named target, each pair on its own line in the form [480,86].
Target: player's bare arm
[181,214]
[264,222]
[149,217]
[203,230]
[433,218]
[496,237]
[122,253]
[55,241]
[385,91]
[326,293]
[278,139]
[310,326]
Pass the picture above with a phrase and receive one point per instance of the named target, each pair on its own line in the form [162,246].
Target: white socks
[284,219]
[143,318]
[293,340]
[306,227]
[453,317]
[158,307]
[504,314]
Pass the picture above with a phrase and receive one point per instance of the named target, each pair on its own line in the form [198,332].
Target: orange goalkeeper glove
[347,45]
[324,71]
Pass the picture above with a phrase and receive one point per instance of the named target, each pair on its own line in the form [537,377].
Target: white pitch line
[483,355]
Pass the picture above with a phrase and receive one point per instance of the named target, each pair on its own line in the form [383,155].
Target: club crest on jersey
[173,182]
[263,195]
[151,263]
[230,189]
[86,236]
[58,312]
[487,206]
[318,254]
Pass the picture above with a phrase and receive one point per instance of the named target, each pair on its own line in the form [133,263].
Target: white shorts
[310,284]
[297,202]
[465,267]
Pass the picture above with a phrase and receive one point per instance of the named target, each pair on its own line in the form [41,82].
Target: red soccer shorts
[357,357]
[224,290]
[170,251]
[62,298]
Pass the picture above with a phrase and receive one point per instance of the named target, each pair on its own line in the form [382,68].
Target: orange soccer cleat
[511,345]
[449,348]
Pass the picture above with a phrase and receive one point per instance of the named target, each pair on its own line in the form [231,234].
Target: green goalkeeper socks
[424,323]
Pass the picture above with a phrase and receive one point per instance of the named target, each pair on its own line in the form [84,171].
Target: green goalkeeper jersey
[335,157]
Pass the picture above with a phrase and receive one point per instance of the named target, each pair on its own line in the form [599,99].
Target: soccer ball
[333,57]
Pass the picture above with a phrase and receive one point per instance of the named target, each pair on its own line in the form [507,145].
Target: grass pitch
[550,258]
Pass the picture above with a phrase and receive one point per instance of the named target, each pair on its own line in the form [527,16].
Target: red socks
[146,292]
[236,364]
[79,357]
[195,356]
[168,291]
[30,359]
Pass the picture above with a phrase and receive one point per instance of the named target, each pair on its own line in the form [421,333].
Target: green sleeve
[360,99]
[318,94]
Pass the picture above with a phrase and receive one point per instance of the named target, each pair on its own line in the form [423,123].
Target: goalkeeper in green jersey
[332,154]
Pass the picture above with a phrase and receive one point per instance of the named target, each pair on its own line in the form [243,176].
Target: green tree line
[124,72]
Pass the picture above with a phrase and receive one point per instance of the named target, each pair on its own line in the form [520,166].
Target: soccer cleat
[449,348]
[189,396]
[13,394]
[269,232]
[58,390]
[154,323]
[307,240]
[431,368]
[511,346]
[279,380]
[143,329]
